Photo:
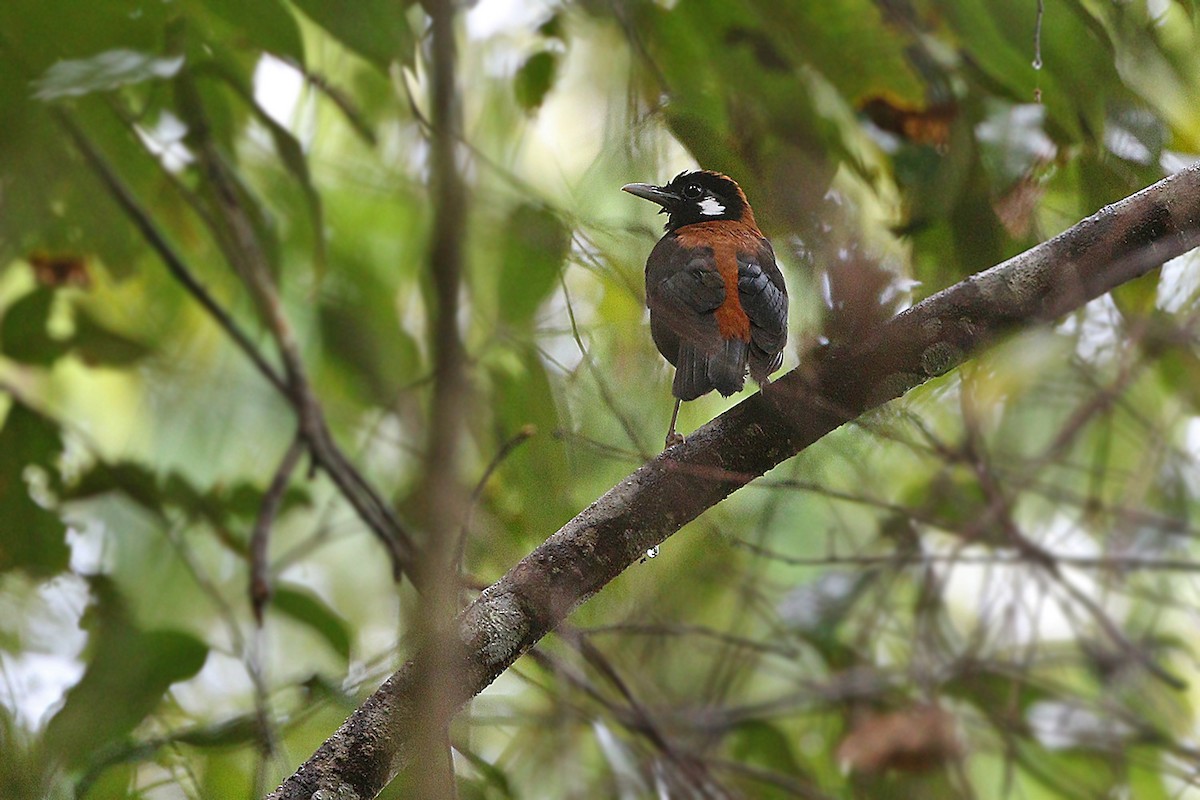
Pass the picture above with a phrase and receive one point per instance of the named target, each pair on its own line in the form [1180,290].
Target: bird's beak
[655,194]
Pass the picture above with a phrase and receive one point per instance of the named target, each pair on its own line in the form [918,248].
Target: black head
[696,197]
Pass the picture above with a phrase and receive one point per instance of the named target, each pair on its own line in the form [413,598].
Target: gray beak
[655,194]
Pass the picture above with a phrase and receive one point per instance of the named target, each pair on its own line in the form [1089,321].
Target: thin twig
[794,786]
[268,741]
[631,714]
[375,513]
[339,98]
[1114,633]
[1000,510]
[506,449]
[602,384]
[919,559]
[776,647]
[159,243]
[239,241]
[260,582]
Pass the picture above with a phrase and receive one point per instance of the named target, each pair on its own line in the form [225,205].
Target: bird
[718,303]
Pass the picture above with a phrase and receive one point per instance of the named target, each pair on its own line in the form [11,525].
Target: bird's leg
[673,437]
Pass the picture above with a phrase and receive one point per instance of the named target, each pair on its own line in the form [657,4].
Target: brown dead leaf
[60,269]
[1016,207]
[929,125]
[915,739]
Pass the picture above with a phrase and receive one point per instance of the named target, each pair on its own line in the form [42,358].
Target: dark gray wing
[683,290]
[764,299]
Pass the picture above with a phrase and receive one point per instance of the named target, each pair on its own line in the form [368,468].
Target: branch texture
[1119,243]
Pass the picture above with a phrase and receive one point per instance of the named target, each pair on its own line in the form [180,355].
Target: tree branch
[235,235]
[171,259]
[443,497]
[260,579]
[1117,244]
[293,385]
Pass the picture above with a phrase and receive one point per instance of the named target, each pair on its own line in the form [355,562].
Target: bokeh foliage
[875,603]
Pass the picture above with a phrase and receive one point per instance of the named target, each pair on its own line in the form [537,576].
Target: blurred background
[858,623]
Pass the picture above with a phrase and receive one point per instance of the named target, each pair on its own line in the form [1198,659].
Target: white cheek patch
[710,207]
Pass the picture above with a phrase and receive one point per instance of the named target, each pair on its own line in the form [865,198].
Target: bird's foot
[674,438]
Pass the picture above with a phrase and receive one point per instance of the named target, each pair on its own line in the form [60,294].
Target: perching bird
[716,297]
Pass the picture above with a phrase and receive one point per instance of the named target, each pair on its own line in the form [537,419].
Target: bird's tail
[698,372]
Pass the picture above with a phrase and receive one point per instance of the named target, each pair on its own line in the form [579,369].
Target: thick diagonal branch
[1115,245]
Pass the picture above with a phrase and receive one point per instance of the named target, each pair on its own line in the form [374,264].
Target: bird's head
[693,197]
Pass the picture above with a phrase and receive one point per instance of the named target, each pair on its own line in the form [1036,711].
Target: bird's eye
[692,191]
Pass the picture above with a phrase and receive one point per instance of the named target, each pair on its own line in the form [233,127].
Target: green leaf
[24,335]
[52,200]
[778,117]
[97,345]
[224,507]
[133,480]
[293,158]
[762,743]
[103,72]
[532,486]
[1070,772]
[195,501]
[989,687]
[1179,370]
[953,496]
[31,538]
[308,609]
[1076,82]
[291,154]
[535,78]
[360,328]
[375,29]
[490,776]
[51,31]
[23,330]
[1146,781]
[245,499]
[231,733]
[818,33]
[127,674]
[111,781]
[533,251]
[1138,298]
[553,27]
[264,23]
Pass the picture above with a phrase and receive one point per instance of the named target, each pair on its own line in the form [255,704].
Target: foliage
[873,604]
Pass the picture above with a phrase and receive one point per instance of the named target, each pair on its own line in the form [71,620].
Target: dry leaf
[930,125]
[61,269]
[912,740]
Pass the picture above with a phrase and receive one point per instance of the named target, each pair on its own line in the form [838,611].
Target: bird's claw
[674,438]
